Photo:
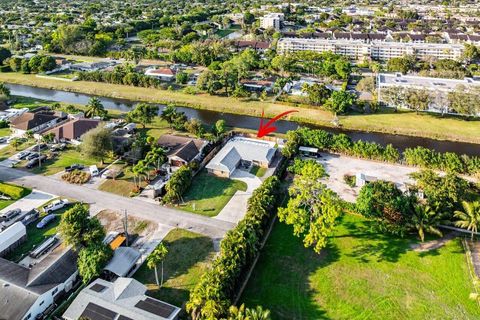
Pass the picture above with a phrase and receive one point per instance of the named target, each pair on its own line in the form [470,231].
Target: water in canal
[248,122]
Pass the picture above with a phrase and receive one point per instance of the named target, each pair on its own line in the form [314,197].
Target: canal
[248,122]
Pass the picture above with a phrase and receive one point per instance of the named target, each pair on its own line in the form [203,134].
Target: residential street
[100,200]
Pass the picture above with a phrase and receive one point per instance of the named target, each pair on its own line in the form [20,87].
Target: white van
[94,171]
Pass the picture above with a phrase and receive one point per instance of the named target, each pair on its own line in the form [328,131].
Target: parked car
[75,166]
[110,174]
[3,139]
[9,215]
[32,163]
[41,146]
[32,156]
[58,147]
[22,155]
[30,217]
[43,223]
[55,205]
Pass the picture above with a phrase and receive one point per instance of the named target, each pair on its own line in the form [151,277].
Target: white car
[55,205]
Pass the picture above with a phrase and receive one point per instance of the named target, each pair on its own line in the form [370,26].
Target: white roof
[121,297]
[240,148]
[397,79]
[11,235]
[123,260]
[308,149]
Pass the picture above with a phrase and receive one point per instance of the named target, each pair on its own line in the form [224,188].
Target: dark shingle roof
[30,120]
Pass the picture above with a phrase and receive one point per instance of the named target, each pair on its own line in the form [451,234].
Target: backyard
[209,194]
[360,275]
[36,236]
[189,256]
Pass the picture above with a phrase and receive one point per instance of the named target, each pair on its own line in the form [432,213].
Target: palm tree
[424,219]
[95,108]
[470,217]
[15,143]
[156,257]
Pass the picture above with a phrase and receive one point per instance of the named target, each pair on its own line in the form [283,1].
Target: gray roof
[242,149]
[121,297]
[123,260]
[442,84]
[20,287]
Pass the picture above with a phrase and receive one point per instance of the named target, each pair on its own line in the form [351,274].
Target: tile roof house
[26,293]
[123,299]
[33,121]
[181,150]
[241,151]
[73,130]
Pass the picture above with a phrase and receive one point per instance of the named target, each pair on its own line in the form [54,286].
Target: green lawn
[209,194]
[20,102]
[9,151]
[360,275]
[123,185]
[64,159]
[189,256]
[258,171]
[6,203]
[4,132]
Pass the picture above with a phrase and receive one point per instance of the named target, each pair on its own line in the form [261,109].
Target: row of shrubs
[213,295]
[418,156]
[12,191]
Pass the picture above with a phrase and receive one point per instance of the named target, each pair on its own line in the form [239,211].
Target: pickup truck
[75,166]
[9,215]
[55,205]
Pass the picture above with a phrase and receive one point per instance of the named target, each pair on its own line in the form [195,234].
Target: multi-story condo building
[438,87]
[377,50]
[272,20]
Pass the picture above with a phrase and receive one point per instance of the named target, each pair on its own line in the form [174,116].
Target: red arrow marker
[263,130]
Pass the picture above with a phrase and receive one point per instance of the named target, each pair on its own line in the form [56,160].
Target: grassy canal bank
[404,122]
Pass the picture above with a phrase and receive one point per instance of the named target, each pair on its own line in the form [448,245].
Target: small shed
[308,151]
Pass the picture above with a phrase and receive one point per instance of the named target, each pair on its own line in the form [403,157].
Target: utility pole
[125,225]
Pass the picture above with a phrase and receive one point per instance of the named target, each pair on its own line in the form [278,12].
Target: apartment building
[272,20]
[377,50]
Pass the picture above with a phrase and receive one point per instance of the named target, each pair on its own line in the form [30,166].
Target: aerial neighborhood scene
[239,160]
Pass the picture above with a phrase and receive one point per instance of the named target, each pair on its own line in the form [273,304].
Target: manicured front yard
[360,275]
[189,256]
[4,132]
[122,185]
[209,194]
[64,159]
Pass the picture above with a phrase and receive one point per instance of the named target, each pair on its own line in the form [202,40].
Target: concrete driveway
[236,208]
[33,200]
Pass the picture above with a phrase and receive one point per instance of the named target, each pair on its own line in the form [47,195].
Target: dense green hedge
[130,78]
[418,156]
[212,296]
[14,192]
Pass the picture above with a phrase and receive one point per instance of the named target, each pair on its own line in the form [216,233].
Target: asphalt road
[100,200]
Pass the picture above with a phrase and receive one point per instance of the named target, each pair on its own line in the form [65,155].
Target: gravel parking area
[337,166]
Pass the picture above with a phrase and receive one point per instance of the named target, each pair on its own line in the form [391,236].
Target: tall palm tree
[95,108]
[424,219]
[469,218]
[157,256]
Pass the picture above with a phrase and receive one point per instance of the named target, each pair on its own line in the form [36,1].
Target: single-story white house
[241,151]
[164,74]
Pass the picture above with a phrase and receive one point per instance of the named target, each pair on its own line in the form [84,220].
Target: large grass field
[209,194]
[189,256]
[408,123]
[360,275]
